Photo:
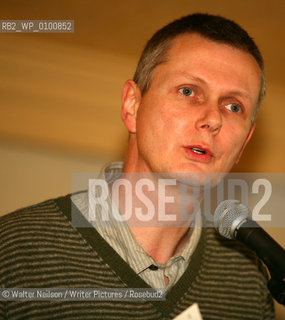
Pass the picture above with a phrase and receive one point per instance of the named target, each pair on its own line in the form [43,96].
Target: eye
[186,91]
[233,107]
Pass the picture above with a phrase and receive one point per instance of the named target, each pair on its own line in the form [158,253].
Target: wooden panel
[62,95]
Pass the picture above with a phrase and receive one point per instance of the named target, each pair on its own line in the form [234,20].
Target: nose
[210,119]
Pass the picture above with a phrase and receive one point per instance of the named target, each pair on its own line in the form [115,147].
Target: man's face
[196,115]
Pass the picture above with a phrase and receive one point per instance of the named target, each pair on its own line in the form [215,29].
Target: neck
[162,207]
[159,212]
[161,243]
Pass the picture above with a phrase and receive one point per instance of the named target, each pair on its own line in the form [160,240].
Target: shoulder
[233,251]
[233,260]
[35,220]
[43,228]
[238,270]
[38,243]
[42,209]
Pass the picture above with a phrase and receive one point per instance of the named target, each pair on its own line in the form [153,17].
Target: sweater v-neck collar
[128,276]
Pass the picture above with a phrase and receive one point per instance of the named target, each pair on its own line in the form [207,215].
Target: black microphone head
[228,217]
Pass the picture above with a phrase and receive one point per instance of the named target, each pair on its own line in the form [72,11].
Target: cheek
[157,116]
[233,138]
[176,122]
[149,128]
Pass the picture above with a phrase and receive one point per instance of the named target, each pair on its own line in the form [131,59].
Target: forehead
[212,62]
[194,44]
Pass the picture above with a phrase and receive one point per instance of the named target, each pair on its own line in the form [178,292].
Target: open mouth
[199,153]
[198,150]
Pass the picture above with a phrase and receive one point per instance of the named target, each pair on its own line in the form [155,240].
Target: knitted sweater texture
[40,248]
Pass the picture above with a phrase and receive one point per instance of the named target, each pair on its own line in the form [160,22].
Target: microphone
[231,221]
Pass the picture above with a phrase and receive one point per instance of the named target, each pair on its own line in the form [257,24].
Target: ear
[251,130]
[131,99]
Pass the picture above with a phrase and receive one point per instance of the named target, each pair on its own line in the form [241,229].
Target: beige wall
[60,94]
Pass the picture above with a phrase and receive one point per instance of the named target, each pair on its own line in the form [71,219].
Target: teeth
[197,150]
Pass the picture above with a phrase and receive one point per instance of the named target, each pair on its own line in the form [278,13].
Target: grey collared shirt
[121,238]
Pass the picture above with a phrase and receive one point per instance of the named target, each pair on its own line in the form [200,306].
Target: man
[190,111]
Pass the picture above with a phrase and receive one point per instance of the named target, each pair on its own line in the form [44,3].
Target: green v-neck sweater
[40,248]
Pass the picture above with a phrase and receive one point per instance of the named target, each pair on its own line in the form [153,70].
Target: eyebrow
[240,93]
[187,75]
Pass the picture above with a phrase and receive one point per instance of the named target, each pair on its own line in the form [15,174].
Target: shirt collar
[121,238]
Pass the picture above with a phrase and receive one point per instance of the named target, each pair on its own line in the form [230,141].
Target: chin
[194,175]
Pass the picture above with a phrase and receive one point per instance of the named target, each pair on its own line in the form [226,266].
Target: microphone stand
[273,256]
[276,284]
[277,288]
